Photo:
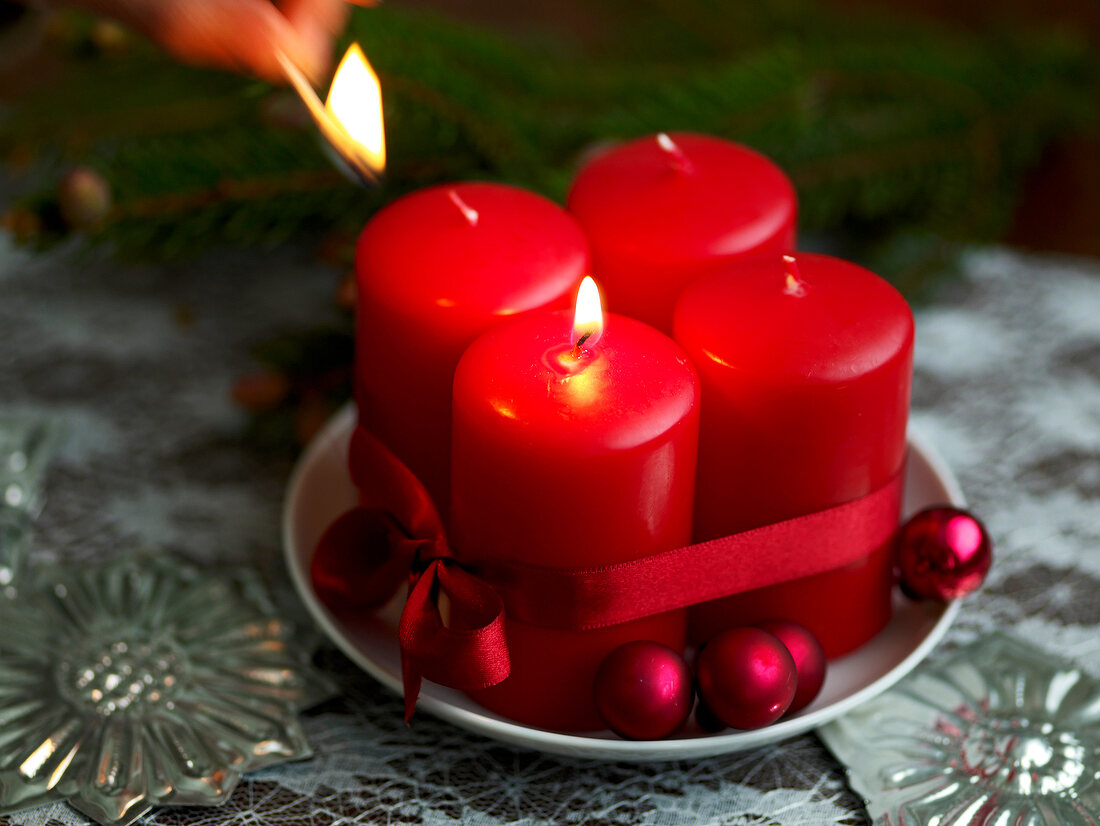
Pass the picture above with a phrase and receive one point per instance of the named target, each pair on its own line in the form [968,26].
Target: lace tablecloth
[138,362]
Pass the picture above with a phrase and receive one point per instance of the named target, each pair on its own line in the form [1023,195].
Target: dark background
[1059,208]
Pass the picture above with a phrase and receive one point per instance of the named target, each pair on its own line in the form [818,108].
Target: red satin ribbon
[584,599]
[365,555]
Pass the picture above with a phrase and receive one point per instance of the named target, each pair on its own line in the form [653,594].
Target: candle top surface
[690,196]
[477,248]
[631,387]
[832,321]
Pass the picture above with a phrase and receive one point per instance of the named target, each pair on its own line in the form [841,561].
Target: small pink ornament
[943,554]
[809,659]
[644,690]
[747,677]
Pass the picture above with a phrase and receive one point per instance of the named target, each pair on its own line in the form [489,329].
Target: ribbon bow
[359,565]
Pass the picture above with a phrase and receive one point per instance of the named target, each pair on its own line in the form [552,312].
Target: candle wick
[794,284]
[680,161]
[576,353]
[469,213]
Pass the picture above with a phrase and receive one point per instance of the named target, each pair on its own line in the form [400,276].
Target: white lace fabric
[139,360]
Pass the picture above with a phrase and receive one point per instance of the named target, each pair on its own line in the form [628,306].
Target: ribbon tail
[410,681]
[471,653]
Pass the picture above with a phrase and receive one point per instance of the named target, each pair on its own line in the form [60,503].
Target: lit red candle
[660,211]
[805,365]
[574,446]
[435,270]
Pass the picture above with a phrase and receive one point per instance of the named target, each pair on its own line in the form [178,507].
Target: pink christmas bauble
[943,554]
[808,655]
[644,690]
[747,677]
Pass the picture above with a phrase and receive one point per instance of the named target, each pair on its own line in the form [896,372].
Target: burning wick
[679,160]
[588,317]
[468,212]
[576,352]
[794,284]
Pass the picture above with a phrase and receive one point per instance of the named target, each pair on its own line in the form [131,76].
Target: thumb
[317,24]
[239,34]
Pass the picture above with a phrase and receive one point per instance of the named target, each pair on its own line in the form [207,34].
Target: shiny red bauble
[644,690]
[808,655]
[942,554]
[747,677]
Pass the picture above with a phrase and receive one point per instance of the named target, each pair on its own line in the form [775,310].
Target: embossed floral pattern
[27,443]
[1002,733]
[141,682]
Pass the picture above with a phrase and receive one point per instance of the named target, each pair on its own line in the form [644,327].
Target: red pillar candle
[805,365]
[662,210]
[572,458]
[435,270]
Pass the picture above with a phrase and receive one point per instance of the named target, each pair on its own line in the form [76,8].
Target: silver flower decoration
[141,682]
[1000,733]
[27,443]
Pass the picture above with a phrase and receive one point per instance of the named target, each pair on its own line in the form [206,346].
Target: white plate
[320,490]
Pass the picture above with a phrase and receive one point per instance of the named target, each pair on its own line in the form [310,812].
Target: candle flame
[355,103]
[588,317]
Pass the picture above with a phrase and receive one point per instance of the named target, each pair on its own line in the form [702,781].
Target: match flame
[588,317]
[355,103]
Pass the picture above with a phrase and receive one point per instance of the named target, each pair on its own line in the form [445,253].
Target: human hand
[243,35]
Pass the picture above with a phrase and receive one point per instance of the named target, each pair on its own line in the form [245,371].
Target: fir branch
[884,126]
